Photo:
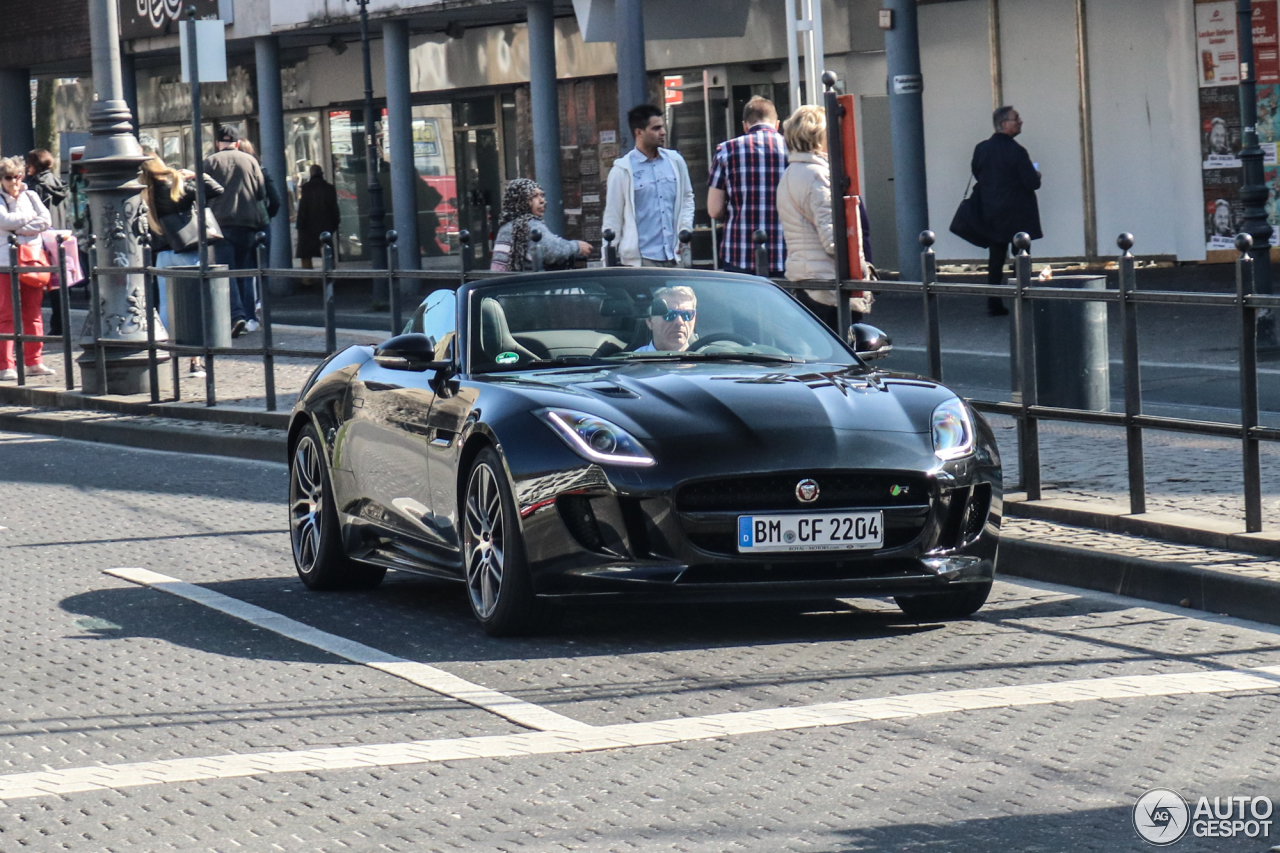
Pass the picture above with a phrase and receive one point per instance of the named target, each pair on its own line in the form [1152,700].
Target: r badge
[807,491]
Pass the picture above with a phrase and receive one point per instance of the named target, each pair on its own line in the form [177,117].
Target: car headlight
[952,430]
[595,438]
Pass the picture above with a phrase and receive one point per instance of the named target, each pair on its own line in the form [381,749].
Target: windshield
[608,319]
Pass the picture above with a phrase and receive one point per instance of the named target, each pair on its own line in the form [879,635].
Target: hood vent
[609,389]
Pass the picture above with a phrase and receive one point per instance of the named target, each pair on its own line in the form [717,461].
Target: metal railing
[1023,407]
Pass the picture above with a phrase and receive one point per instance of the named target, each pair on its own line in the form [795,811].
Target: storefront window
[437,186]
[347,148]
[302,145]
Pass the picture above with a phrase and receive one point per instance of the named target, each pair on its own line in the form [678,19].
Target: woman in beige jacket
[804,208]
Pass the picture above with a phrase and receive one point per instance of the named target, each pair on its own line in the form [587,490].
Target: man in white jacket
[649,198]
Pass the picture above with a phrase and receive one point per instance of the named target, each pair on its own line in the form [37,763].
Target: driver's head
[674,313]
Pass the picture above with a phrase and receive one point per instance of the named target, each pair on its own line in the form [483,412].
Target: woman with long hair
[170,195]
[523,204]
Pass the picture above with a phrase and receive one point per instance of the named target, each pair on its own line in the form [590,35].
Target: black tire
[941,606]
[314,532]
[499,585]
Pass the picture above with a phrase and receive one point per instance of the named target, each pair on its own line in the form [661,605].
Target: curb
[1161,581]
[57,398]
[261,445]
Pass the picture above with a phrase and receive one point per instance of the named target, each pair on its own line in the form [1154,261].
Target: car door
[390,435]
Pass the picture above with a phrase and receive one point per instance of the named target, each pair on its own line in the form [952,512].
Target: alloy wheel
[306,503]
[484,541]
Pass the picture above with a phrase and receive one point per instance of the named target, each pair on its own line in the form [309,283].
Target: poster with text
[1266,43]
[1220,127]
[1216,44]
[1223,210]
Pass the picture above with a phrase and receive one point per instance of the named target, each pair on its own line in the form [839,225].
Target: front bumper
[588,536]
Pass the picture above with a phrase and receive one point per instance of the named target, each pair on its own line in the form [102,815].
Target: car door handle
[443,438]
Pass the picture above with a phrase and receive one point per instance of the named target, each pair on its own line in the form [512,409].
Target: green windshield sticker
[507,358]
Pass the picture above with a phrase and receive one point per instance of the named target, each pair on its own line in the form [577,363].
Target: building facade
[1130,106]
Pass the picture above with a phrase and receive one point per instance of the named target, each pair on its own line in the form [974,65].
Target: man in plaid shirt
[744,185]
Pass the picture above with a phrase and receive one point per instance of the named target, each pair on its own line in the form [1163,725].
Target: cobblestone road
[168,726]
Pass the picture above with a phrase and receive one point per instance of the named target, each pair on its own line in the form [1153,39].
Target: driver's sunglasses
[10,177]
[686,314]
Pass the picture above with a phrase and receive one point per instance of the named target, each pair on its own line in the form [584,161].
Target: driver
[674,312]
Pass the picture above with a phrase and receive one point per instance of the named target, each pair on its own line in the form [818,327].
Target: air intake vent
[975,514]
[580,519]
[609,389]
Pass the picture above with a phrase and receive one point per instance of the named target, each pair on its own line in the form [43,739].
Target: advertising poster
[1216,43]
[1220,127]
[1266,43]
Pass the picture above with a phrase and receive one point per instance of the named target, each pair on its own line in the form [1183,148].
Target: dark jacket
[183,207]
[245,193]
[53,192]
[317,213]
[273,194]
[1007,184]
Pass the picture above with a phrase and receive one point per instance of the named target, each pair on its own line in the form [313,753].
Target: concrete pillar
[271,135]
[546,109]
[633,75]
[129,80]
[404,178]
[17,132]
[906,124]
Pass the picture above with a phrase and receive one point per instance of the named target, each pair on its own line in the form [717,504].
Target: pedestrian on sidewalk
[649,196]
[317,213]
[24,216]
[804,208]
[53,192]
[170,195]
[270,207]
[523,205]
[241,212]
[743,189]
[1007,181]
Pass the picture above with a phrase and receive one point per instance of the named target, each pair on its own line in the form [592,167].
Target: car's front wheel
[939,606]
[499,586]
[321,562]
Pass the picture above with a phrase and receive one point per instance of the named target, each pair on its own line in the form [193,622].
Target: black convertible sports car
[648,432]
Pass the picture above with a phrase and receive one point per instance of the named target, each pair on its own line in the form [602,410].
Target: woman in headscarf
[523,204]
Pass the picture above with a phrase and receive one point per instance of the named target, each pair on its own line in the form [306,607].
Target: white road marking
[590,739]
[445,683]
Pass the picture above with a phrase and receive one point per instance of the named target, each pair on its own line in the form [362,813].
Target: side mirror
[414,351]
[869,342]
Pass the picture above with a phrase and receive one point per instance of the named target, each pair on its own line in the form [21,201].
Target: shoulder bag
[967,224]
[183,230]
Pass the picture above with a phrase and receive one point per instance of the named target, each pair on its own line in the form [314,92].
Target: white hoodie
[26,216]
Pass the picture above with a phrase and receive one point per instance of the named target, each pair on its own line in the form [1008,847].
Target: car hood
[806,412]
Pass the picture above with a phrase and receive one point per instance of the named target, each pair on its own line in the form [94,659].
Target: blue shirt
[653,185]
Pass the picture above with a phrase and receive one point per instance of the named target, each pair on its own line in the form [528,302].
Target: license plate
[828,531]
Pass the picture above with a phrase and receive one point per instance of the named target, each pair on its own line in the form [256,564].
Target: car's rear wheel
[499,586]
[939,606]
[313,524]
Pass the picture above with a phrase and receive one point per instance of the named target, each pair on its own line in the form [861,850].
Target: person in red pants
[24,216]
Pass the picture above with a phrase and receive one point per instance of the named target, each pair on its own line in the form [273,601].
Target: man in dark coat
[317,213]
[1007,184]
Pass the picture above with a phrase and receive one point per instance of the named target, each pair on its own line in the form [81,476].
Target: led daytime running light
[561,421]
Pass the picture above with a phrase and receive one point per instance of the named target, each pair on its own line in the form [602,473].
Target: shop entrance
[477,145]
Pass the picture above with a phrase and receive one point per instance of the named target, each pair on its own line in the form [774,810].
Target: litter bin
[183,295]
[1071,348]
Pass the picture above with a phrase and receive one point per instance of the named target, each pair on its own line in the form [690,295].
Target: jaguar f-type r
[655,433]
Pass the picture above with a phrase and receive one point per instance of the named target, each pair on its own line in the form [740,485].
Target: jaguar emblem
[807,491]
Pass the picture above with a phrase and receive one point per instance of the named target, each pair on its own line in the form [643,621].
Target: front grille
[836,490]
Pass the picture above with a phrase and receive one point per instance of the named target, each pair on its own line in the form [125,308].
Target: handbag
[183,233]
[967,224]
[32,255]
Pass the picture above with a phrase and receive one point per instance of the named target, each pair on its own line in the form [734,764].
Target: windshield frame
[470,294]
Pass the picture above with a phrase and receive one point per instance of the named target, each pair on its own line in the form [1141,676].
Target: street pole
[1253,192]
[117,213]
[377,209]
[633,77]
[906,125]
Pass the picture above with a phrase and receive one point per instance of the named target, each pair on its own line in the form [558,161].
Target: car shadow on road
[425,620]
